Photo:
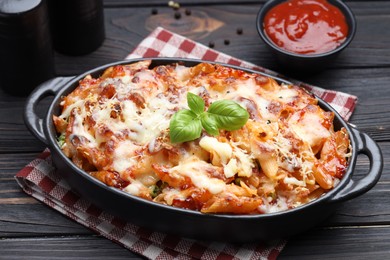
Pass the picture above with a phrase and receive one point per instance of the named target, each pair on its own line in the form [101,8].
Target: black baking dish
[188,223]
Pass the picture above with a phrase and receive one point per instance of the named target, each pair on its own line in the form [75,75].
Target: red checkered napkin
[40,180]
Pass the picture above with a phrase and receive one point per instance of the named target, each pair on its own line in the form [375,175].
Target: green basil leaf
[195,103]
[209,124]
[228,114]
[184,126]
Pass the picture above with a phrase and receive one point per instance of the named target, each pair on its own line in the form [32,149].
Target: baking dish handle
[365,145]
[48,88]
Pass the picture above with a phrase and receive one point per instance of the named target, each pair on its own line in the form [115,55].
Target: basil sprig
[187,124]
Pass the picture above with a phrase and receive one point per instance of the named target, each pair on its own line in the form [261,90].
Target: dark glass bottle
[26,53]
[77,25]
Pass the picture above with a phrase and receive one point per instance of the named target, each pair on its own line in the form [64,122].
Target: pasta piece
[269,165]
[110,178]
[221,152]
[232,204]
[322,178]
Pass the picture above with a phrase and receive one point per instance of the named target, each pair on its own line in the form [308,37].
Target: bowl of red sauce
[306,35]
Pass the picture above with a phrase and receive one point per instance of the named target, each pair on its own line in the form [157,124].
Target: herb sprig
[187,124]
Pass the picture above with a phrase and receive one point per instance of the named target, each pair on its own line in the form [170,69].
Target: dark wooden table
[359,230]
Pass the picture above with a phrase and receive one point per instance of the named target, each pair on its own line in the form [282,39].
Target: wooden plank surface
[368,243]
[368,49]
[360,229]
[184,3]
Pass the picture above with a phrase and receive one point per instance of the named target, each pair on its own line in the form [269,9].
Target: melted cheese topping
[195,171]
[117,128]
[223,150]
[309,128]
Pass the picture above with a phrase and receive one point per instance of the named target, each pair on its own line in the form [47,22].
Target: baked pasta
[117,128]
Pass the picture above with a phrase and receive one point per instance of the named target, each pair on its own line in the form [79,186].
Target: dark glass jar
[77,25]
[25,46]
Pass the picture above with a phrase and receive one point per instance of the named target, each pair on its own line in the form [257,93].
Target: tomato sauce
[306,26]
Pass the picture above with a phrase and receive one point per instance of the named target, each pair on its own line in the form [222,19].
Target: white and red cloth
[40,180]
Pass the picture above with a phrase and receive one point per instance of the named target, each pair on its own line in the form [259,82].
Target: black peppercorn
[239,30]
[227,42]
[177,15]
[188,12]
[211,44]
